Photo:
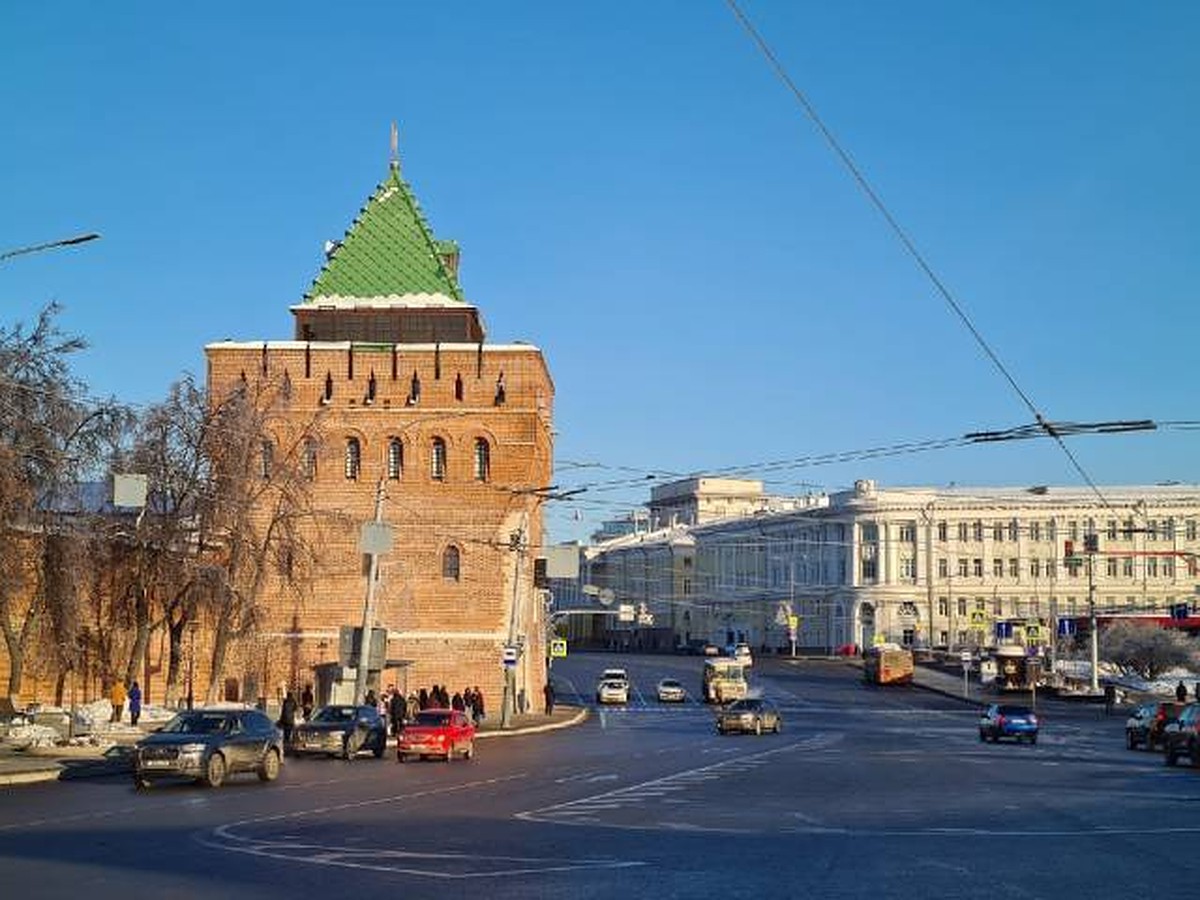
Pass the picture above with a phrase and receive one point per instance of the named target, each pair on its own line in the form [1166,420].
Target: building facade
[928,567]
[392,392]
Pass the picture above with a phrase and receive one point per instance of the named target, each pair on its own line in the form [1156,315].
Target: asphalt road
[866,793]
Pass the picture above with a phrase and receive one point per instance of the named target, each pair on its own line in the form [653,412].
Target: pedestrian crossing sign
[558,648]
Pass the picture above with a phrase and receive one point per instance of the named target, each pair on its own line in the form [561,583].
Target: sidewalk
[62,763]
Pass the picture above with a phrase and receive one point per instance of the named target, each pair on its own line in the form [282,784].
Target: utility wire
[876,201]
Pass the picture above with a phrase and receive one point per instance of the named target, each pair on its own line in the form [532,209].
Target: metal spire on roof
[395,163]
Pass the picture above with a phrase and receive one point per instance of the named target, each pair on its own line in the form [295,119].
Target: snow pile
[25,736]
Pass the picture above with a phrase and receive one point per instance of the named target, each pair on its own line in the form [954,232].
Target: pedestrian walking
[135,703]
[117,697]
[396,710]
[477,694]
[1181,692]
[1110,697]
[414,706]
[306,702]
[458,703]
[548,691]
[287,719]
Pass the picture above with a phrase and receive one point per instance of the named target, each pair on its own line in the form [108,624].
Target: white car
[741,652]
[671,691]
[612,691]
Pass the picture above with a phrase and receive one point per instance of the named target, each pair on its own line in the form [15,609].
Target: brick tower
[390,384]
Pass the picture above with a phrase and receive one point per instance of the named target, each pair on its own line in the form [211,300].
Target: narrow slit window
[438,460]
[395,459]
[483,460]
[353,459]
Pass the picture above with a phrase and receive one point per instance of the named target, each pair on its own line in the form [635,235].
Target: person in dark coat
[306,702]
[1181,692]
[458,703]
[287,718]
[548,691]
[423,699]
[396,711]
[135,703]
[477,697]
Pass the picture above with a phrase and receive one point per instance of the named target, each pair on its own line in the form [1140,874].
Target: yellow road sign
[558,648]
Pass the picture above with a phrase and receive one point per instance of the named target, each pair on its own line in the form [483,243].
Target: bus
[724,680]
[888,664]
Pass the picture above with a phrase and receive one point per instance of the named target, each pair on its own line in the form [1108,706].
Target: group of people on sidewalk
[119,695]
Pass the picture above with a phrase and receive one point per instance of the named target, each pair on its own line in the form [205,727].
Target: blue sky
[637,194]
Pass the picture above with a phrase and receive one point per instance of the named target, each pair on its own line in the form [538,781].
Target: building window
[458,387]
[963,567]
[962,531]
[450,563]
[1190,529]
[962,606]
[908,568]
[395,459]
[1168,568]
[1051,531]
[1111,529]
[908,532]
[483,460]
[1151,567]
[266,460]
[943,568]
[998,567]
[997,607]
[327,397]
[1013,567]
[980,604]
[353,459]
[501,394]
[310,459]
[944,638]
[1127,566]
[977,567]
[1110,567]
[414,390]
[997,531]
[943,606]
[1072,530]
[942,531]
[1035,568]
[978,530]
[1013,530]
[1035,531]
[437,467]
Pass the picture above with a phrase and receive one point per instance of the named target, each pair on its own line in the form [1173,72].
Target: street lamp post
[50,245]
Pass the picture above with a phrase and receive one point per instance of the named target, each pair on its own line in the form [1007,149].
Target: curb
[29,777]
[579,716]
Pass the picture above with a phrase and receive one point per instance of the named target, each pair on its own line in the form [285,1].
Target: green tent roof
[388,251]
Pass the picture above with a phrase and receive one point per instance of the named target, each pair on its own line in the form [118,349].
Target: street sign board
[508,656]
[625,612]
[375,537]
[965,656]
[793,622]
[558,648]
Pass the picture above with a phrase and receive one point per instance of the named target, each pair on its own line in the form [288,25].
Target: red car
[437,732]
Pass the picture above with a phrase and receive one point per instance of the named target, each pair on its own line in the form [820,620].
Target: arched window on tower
[266,461]
[483,460]
[310,458]
[451,562]
[353,459]
[437,470]
[395,459]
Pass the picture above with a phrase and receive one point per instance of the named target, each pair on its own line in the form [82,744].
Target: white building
[943,567]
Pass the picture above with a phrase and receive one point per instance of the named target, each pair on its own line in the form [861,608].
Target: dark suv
[207,745]
[1144,726]
[342,729]
[1181,736]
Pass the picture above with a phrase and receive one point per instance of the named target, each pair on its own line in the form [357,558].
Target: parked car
[1144,726]
[751,715]
[208,745]
[342,729]
[1181,736]
[711,649]
[443,733]
[612,691]
[741,652]
[670,690]
[1006,720]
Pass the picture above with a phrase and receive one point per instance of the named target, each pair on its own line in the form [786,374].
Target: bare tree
[258,524]
[1145,649]
[52,436]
